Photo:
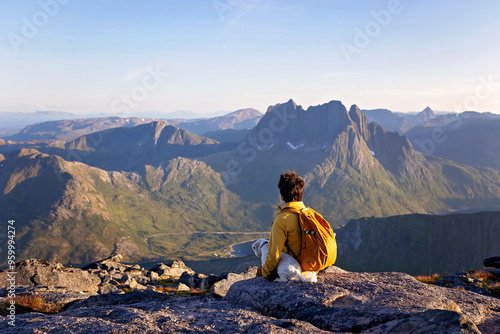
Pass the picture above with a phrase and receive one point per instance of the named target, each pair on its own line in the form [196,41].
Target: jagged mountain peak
[426,114]
[346,138]
[360,119]
[165,133]
[289,122]
[289,104]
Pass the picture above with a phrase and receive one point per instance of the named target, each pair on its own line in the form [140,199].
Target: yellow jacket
[286,229]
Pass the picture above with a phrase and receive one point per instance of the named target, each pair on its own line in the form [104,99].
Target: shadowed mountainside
[419,244]
[471,140]
[130,149]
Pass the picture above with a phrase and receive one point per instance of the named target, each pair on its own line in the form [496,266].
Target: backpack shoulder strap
[292,209]
[297,211]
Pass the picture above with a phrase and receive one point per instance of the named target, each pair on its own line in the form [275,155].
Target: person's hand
[259,271]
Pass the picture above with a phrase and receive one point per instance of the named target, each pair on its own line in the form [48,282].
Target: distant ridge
[132,148]
[237,120]
[71,129]
[389,120]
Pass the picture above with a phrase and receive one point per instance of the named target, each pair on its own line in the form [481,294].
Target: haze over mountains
[143,188]
[469,138]
[472,139]
[70,129]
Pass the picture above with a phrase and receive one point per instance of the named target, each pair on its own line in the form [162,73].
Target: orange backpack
[319,248]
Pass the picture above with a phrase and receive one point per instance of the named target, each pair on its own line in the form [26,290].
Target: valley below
[152,189]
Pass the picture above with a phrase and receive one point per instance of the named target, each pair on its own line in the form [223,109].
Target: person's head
[291,187]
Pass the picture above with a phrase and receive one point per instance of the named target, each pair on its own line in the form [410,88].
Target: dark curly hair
[291,187]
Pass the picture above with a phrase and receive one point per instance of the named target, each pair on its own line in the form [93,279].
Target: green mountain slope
[74,213]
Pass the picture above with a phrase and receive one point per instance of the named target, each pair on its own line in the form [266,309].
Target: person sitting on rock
[286,231]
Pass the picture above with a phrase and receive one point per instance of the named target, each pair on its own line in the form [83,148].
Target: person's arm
[276,243]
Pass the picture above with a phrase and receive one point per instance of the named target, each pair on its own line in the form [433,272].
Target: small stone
[107,289]
[125,279]
[153,277]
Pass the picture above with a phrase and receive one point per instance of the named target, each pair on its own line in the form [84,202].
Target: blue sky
[135,57]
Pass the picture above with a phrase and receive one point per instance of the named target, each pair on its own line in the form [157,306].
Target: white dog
[288,268]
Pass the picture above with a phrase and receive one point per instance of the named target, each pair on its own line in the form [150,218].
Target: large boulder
[108,263]
[47,273]
[221,287]
[172,271]
[370,302]
[198,281]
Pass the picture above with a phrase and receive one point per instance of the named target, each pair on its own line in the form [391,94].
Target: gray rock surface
[370,302]
[151,312]
[221,287]
[341,301]
[40,272]
[57,296]
[107,263]
[174,271]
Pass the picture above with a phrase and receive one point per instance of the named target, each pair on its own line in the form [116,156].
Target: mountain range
[471,139]
[70,129]
[352,167]
[155,189]
[399,122]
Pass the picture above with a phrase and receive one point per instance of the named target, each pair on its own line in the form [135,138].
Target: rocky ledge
[240,303]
